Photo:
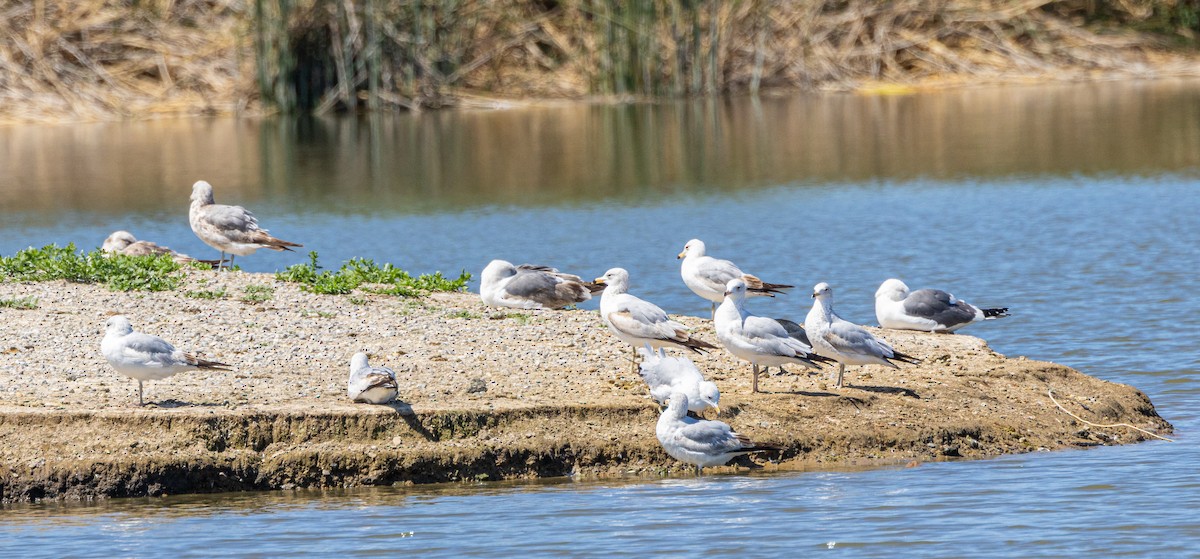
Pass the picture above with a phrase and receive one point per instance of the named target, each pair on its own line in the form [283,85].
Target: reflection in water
[578,153]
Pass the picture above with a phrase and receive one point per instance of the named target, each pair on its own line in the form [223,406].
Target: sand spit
[485,394]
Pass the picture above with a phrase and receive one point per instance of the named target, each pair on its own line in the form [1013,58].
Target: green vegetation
[23,303]
[364,274]
[206,294]
[118,272]
[464,314]
[256,293]
[520,317]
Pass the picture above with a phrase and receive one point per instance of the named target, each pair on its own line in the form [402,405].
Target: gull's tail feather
[279,244]
[904,358]
[756,286]
[696,345]
[207,364]
[990,314]
[751,446]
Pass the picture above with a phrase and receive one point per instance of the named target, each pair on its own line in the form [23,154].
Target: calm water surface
[1077,206]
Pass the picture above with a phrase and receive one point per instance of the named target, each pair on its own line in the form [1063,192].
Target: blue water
[1099,266]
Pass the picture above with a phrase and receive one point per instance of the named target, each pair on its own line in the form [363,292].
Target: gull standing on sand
[666,375]
[531,287]
[144,357]
[700,442]
[928,310]
[758,339]
[637,322]
[123,242]
[370,384]
[707,276]
[848,343]
[231,229]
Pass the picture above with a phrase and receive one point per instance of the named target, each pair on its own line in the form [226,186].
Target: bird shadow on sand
[405,410]
[889,390]
[801,393]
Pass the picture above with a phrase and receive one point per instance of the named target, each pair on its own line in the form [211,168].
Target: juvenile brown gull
[531,287]
[123,242]
[231,229]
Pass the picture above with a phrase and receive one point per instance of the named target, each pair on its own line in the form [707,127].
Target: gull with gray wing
[707,276]
[928,310]
[637,322]
[145,357]
[370,384]
[760,340]
[844,341]
[666,375]
[123,242]
[700,442]
[229,229]
[531,287]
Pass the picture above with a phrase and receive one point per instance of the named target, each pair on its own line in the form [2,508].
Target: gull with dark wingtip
[229,229]
[145,357]
[700,442]
[707,276]
[844,341]
[637,322]
[760,340]
[532,287]
[928,310]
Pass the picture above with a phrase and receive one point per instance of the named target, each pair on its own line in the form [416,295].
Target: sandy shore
[486,394]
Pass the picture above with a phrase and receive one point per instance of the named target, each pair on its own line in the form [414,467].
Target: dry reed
[109,59]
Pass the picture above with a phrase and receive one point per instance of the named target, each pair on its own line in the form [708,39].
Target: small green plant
[464,314]
[320,314]
[371,277]
[23,303]
[117,271]
[206,294]
[520,317]
[357,300]
[255,293]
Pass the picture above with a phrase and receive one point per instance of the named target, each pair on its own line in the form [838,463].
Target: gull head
[202,192]
[694,247]
[118,325]
[893,289]
[710,395]
[615,278]
[735,289]
[359,361]
[677,404]
[118,241]
[822,291]
[497,270]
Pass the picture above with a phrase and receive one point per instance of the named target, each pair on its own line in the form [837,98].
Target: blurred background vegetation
[105,59]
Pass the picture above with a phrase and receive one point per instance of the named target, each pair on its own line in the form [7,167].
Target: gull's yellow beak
[599,280]
[682,254]
[718,408]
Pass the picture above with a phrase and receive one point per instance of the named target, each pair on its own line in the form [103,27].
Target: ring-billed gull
[707,276]
[123,242]
[231,229]
[758,339]
[848,343]
[700,442]
[370,384]
[531,287]
[637,322]
[930,310]
[666,375]
[145,357]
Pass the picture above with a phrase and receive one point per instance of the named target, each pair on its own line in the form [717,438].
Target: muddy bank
[486,394]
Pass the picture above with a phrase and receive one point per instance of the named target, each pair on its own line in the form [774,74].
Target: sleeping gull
[370,384]
[708,276]
[231,229]
[144,357]
[531,287]
[666,375]
[848,343]
[123,242]
[930,310]
[639,322]
[700,442]
[758,339]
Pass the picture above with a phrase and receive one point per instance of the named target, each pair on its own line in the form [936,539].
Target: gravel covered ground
[485,393]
